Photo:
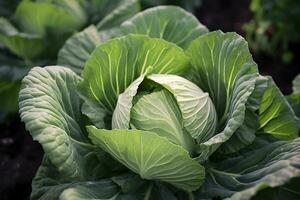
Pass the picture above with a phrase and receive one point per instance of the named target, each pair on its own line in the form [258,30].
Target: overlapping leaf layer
[160,113]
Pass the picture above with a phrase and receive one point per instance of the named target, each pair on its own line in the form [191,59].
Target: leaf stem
[191,196]
[148,192]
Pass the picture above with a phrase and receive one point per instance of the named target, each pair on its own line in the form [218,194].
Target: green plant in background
[190,5]
[294,98]
[275,26]
[166,111]
[37,30]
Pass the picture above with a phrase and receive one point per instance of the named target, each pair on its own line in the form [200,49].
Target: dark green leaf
[242,176]
[276,116]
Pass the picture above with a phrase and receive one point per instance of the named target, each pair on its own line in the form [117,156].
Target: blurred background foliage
[274,27]
[190,5]
[7,7]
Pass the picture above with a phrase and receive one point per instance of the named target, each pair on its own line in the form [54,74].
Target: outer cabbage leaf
[224,68]
[246,134]
[78,48]
[150,156]
[102,190]
[69,57]
[50,107]
[256,97]
[198,112]
[241,177]
[115,64]
[49,183]
[276,116]
[289,191]
[163,22]
[158,112]
[160,191]
[130,183]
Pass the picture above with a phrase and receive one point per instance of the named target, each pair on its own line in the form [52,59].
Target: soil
[20,156]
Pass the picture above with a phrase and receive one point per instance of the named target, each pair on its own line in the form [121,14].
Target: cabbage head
[168,110]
